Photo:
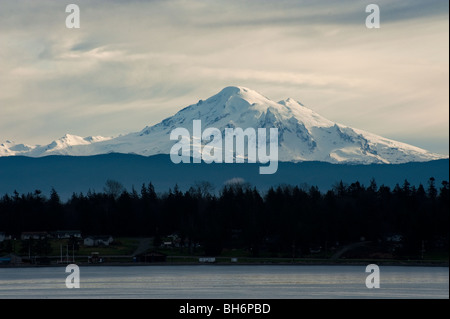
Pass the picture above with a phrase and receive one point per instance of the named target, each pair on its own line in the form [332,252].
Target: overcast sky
[134,63]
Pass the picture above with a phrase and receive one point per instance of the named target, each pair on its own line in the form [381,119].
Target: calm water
[228,282]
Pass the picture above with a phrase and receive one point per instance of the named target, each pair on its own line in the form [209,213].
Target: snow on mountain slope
[303,135]
[66,145]
[9,148]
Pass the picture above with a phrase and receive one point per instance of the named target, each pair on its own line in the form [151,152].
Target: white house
[98,241]
[34,235]
[66,234]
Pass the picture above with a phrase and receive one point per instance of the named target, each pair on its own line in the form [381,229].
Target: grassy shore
[122,250]
[121,246]
[191,261]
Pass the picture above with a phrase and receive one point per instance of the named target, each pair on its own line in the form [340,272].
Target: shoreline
[231,264]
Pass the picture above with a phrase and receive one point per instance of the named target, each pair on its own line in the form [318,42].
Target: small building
[93,241]
[66,234]
[395,238]
[95,258]
[174,240]
[166,244]
[34,235]
[3,236]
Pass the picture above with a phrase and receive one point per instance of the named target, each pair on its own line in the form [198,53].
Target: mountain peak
[68,136]
[78,140]
[241,92]
[231,90]
[236,89]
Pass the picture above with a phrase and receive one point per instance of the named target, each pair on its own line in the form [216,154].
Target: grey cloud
[134,62]
[85,45]
[308,13]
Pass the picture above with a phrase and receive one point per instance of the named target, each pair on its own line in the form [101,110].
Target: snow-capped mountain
[303,135]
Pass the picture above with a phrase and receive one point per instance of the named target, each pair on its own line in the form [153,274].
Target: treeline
[285,219]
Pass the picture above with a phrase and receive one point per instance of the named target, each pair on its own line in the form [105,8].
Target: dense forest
[284,219]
